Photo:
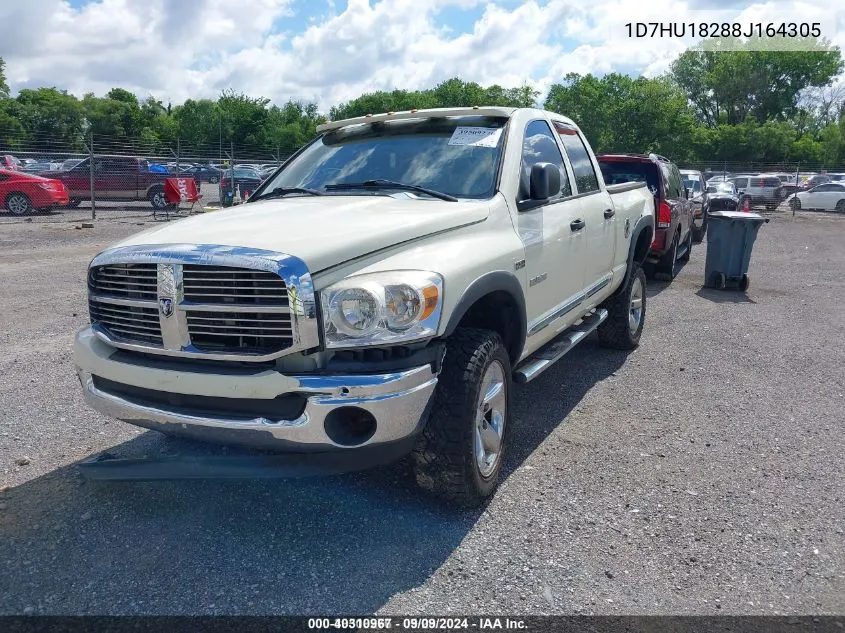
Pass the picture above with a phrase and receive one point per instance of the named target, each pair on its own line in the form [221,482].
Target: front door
[554,239]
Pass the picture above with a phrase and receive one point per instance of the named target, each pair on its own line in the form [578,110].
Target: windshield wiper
[278,192]
[390,184]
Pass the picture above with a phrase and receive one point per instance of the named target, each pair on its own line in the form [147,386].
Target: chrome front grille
[259,331]
[129,281]
[127,323]
[179,307]
[230,285]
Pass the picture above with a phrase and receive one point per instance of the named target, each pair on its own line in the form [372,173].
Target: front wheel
[459,453]
[699,233]
[623,326]
[214,180]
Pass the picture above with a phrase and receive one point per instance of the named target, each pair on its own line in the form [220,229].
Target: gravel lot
[701,474]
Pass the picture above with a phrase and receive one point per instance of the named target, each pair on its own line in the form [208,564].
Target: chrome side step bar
[557,348]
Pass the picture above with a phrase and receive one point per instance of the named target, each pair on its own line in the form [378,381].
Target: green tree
[51,119]
[4,87]
[621,114]
[726,86]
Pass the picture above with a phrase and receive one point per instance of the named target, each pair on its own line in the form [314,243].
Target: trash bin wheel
[744,283]
[719,280]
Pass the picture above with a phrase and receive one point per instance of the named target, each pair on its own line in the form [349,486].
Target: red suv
[673,209]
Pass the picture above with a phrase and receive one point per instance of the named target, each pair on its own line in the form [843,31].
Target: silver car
[765,189]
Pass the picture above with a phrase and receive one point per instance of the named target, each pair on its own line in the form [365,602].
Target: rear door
[553,235]
[595,207]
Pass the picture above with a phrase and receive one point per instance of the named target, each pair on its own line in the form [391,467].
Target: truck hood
[322,231]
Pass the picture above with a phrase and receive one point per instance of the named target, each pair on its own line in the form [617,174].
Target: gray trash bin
[730,238]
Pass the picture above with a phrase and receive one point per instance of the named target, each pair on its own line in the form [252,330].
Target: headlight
[382,308]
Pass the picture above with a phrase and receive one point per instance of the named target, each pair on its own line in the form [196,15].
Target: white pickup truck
[377,296]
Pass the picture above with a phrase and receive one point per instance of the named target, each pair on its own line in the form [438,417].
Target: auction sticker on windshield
[476,136]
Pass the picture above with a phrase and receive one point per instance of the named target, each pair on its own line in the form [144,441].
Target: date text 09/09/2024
[417,623]
[723,29]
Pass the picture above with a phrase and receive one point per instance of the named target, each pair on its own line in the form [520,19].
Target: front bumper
[396,402]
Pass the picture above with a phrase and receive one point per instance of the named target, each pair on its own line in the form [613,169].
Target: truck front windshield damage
[449,157]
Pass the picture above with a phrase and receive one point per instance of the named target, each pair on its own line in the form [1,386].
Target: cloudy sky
[329,51]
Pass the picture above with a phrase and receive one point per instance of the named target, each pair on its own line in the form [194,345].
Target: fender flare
[645,222]
[494,281]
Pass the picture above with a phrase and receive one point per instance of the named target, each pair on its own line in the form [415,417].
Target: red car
[21,193]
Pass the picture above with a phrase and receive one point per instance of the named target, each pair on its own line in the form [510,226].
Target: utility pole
[90,148]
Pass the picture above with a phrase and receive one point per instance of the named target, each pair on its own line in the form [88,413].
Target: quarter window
[540,147]
[579,158]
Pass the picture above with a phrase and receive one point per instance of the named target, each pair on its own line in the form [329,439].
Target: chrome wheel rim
[635,314]
[17,205]
[490,419]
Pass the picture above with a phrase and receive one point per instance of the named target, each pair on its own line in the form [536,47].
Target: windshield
[693,185]
[458,156]
[720,187]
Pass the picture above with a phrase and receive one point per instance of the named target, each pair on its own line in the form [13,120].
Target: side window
[539,146]
[674,188]
[579,158]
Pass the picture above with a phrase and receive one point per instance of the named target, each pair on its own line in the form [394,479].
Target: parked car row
[770,189]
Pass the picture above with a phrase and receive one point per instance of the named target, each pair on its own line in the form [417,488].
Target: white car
[829,196]
[378,296]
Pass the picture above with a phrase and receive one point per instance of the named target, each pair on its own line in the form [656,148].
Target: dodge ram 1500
[378,296]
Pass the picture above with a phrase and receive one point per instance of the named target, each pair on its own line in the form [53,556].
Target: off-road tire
[443,459]
[615,331]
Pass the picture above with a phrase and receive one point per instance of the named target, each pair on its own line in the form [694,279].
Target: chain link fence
[119,178]
[110,179]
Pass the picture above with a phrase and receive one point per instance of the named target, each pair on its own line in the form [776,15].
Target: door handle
[609,213]
[577,225]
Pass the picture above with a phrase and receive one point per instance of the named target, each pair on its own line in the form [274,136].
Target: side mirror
[544,181]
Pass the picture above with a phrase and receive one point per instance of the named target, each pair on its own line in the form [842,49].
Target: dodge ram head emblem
[165,306]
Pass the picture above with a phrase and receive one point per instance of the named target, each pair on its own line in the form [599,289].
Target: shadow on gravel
[658,282]
[335,544]
[724,296]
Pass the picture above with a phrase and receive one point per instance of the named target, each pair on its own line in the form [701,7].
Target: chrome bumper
[397,400]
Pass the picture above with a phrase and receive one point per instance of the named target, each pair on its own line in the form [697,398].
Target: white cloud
[177,49]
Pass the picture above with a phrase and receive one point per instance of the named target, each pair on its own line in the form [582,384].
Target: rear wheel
[157,199]
[73,203]
[840,206]
[744,283]
[623,326]
[685,257]
[18,204]
[459,453]
[667,263]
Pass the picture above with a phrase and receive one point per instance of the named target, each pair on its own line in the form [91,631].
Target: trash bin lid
[737,215]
